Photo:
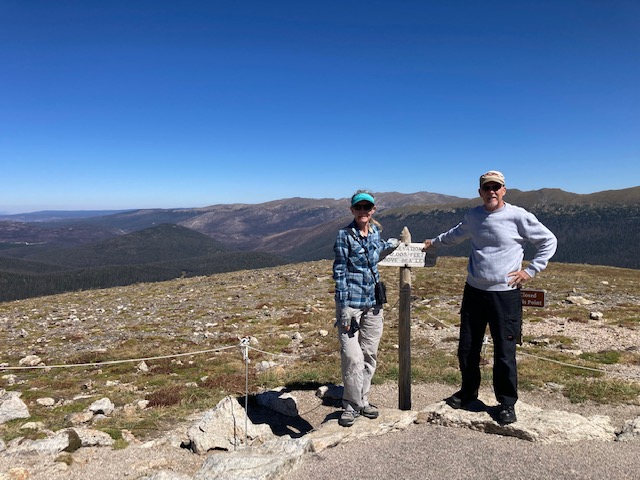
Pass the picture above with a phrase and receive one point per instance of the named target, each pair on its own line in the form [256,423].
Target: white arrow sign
[410,255]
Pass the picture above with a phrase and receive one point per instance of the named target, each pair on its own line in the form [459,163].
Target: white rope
[564,364]
[272,354]
[115,362]
[244,344]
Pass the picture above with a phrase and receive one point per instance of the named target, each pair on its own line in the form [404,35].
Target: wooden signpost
[405,256]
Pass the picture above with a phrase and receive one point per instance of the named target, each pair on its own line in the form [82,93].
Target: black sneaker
[460,400]
[507,414]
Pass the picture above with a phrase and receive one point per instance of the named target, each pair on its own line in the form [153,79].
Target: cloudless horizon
[164,104]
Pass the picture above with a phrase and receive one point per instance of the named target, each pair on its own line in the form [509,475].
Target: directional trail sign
[410,255]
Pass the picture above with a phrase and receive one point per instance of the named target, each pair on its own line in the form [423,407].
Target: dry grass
[284,311]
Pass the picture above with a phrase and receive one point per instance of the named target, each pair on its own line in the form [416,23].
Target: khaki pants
[359,357]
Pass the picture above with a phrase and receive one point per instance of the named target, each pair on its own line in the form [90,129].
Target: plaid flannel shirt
[355,282]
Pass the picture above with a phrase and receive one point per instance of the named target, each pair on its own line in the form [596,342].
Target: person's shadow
[279,423]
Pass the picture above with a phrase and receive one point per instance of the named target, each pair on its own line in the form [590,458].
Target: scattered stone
[596,315]
[279,400]
[30,361]
[143,367]
[64,440]
[37,426]
[10,379]
[11,407]
[630,431]
[46,402]
[323,333]
[79,418]
[331,392]
[265,365]
[103,406]
[578,300]
[93,438]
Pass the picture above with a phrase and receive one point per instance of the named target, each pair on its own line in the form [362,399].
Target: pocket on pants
[513,328]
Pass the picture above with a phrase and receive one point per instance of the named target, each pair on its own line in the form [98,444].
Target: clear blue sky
[153,103]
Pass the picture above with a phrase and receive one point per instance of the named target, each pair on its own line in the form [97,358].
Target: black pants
[503,312]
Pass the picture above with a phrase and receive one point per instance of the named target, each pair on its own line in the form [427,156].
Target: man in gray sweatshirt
[498,232]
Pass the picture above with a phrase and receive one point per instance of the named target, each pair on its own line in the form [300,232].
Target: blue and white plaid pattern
[355,283]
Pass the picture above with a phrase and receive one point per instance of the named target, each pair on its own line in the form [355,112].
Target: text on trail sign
[532,298]
[410,255]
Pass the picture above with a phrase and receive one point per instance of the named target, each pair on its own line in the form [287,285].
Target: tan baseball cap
[492,176]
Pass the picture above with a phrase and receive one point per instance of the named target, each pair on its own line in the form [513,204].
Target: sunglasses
[493,188]
[360,207]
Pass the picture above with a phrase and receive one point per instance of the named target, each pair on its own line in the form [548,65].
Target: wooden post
[404,332]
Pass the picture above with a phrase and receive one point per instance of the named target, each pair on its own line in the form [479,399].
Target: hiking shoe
[460,400]
[348,418]
[369,411]
[507,414]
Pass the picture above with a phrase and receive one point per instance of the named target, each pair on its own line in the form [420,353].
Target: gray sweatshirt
[497,244]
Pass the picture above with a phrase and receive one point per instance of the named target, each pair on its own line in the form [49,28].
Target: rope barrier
[115,362]
[564,364]
[245,346]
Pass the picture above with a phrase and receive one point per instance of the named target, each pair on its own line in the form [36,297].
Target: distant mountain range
[48,252]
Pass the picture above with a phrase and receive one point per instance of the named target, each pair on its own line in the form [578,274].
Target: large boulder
[226,427]
[534,424]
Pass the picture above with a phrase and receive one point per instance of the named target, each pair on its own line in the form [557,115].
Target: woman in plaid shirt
[358,316]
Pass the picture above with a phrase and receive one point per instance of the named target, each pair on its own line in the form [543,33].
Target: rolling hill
[43,257]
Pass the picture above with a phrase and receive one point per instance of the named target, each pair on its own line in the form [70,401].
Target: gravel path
[426,451]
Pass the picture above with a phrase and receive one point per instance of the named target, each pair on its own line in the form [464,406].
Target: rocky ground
[588,310]
[163,459]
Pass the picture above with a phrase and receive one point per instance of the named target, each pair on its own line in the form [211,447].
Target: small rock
[103,406]
[279,400]
[596,315]
[143,367]
[578,300]
[30,361]
[37,426]
[630,431]
[79,417]
[10,379]
[18,473]
[46,402]
[265,365]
